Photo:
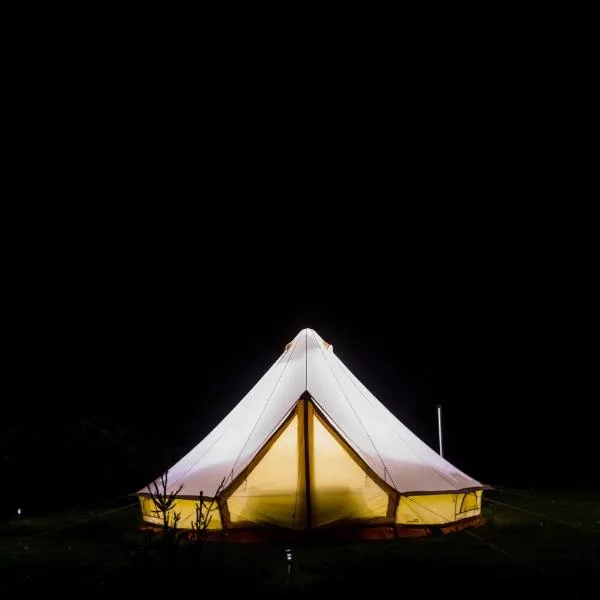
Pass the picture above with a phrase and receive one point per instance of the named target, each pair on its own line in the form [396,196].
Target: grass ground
[518,553]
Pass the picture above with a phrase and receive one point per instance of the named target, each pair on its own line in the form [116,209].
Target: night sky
[158,257]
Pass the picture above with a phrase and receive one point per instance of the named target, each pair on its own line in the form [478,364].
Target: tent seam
[417,454]
[385,469]
[193,466]
[262,411]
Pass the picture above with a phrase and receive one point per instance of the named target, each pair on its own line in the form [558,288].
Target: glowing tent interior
[310,449]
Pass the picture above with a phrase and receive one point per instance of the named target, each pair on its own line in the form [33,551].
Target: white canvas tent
[310,447]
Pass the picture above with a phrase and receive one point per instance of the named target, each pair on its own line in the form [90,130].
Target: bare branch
[203,517]
[164,502]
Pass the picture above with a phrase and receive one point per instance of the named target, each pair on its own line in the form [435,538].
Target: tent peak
[307,332]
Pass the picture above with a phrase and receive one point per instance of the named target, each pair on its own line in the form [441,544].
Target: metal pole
[439,412]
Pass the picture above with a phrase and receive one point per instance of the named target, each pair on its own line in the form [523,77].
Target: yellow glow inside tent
[185,507]
[269,495]
[341,490]
[437,509]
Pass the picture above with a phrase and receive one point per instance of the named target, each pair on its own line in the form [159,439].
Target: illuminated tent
[310,448]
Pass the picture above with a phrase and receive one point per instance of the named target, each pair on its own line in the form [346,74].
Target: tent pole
[439,413]
[307,463]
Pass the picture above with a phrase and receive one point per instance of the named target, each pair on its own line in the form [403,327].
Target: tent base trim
[375,532]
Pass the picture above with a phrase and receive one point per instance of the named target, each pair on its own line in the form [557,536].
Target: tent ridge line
[415,452]
[243,474]
[193,465]
[353,454]
[262,412]
[356,415]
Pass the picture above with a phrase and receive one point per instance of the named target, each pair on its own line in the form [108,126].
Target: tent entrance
[306,476]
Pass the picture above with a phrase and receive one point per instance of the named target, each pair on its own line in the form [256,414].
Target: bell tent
[309,449]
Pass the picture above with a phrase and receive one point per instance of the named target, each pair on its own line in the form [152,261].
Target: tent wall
[185,507]
[341,489]
[272,492]
[437,509]
[364,502]
[307,476]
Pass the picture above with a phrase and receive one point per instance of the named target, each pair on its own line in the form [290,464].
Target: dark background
[169,227]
